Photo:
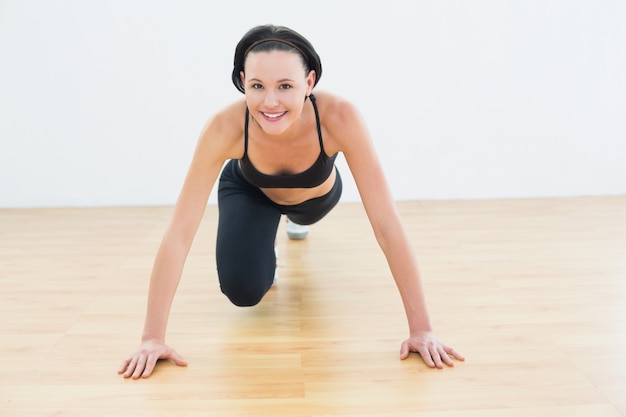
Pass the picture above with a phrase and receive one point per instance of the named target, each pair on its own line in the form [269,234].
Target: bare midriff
[292,196]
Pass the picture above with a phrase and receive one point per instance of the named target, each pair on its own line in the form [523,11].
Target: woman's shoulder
[224,130]
[337,114]
[226,123]
[336,110]
[329,102]
[230,118]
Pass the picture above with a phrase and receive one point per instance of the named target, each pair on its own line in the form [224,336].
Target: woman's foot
[296,231]
[278,263]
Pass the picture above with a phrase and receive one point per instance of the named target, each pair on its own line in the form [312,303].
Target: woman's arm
[214,147]
[350,133]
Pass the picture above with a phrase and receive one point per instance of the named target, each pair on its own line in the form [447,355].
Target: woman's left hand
[433,352]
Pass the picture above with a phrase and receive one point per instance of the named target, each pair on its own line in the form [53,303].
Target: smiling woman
[276,84]
[279,145]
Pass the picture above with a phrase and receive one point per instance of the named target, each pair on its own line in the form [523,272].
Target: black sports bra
[315,175]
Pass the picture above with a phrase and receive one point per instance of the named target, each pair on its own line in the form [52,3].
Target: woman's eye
[257,86]
[285,86]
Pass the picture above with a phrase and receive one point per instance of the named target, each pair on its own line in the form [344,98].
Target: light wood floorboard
[533,292]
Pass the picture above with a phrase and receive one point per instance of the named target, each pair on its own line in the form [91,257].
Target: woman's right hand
[142,362]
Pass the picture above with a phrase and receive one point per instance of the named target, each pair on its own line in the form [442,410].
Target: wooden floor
[533,292]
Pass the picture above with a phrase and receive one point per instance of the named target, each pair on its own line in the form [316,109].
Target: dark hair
[274,38]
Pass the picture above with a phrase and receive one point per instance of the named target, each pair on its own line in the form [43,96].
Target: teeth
[273,115]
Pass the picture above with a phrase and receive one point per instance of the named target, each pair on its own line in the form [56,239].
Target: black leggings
[246,233]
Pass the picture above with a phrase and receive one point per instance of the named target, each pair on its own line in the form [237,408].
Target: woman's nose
[271,99]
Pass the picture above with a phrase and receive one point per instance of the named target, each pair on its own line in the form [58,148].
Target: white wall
[101,103]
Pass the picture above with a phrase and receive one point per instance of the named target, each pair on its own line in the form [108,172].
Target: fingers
[437,356]
[152,360]
[177,359]
[428,352]
[140,367]
[124,366]
[134,366]
[445,357]
[404,350]
[148,366]
[143,362]
[433,353]
[450,351]
[428,357]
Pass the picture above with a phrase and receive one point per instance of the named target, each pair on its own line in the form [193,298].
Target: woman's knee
[245,281]
[244,285]
[244,292]
[245,268]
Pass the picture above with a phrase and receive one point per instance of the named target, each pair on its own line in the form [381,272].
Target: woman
[276,145]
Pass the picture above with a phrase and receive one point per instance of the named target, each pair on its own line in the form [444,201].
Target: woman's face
[276,84]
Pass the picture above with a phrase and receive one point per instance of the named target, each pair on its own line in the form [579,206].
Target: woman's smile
[273,117]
